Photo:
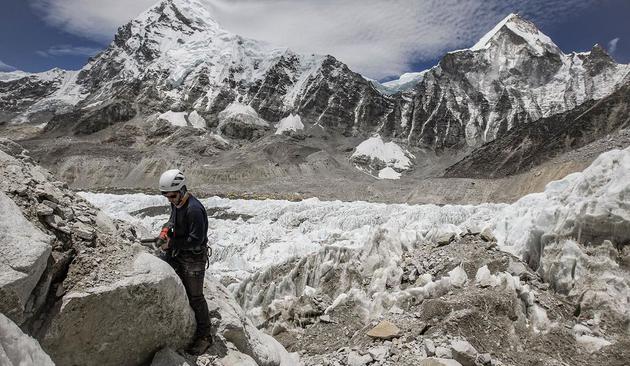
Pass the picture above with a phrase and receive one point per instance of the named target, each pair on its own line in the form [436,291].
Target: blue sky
[378,38]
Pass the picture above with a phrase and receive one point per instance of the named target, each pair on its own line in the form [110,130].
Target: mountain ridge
[159,93]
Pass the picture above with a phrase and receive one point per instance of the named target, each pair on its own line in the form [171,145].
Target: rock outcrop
[24,250]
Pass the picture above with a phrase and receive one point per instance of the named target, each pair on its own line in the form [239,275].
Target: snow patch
[196,120]
[388,173]
[292,122]
[174,118]
[405,82]
[242,113]
[539,41]
[374,155]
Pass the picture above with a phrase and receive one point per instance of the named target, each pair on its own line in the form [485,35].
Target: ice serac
[576,233]
[237,329]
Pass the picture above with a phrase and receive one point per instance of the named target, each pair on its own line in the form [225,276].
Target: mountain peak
[192,13]
[526,31]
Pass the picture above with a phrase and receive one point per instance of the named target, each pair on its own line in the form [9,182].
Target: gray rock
[443,352]
[379,353]
[484,359]
[168,357]
[429,347]
[66,213]
[85,219]
[488,235]
[105,223]
[140,312]
[516,268]
[44,210]
[50,204]
[325,318]
[355,359]
[83,231]
[384,330]
[47,191]
[24,250]
[464,352]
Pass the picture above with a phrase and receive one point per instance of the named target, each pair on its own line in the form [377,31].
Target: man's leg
[193,282]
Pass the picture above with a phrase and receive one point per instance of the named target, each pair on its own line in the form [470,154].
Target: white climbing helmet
[172,181]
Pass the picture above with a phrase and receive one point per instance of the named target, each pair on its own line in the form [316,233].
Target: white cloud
[6,67]
[374,37]
[67,50]
[612,45]
[97,20]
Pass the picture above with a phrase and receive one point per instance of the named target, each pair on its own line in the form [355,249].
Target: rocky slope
[80,283]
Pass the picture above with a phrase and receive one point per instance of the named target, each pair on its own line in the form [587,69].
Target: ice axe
[154,244]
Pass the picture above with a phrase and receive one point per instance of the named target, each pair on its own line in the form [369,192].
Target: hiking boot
[199,345]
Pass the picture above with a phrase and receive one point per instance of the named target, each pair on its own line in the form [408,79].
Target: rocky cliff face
[175,58]
[526,146]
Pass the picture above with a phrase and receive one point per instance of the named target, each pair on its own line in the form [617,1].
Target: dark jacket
[189,225]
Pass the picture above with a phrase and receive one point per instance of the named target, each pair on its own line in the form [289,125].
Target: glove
[164,233]
[163,241]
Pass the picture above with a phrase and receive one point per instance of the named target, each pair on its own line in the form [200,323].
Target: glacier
[569,234]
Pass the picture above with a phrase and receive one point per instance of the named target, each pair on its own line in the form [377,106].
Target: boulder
[168,357]
[384,330]
[356,359]
[432,361]
[124,322]
[234,357]
[488,235]
[464,352]
[24,253]
[429,347]
[18,349]
[237,329]
[379,353]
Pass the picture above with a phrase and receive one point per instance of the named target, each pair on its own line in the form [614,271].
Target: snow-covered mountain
[176,57]
[514,75]
[36,97]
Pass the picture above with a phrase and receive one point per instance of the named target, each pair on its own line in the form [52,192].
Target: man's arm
[197,230]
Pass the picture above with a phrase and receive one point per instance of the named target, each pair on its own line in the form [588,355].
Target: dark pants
[191,267]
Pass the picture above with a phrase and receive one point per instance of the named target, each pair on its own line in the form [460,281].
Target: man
[184,242]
